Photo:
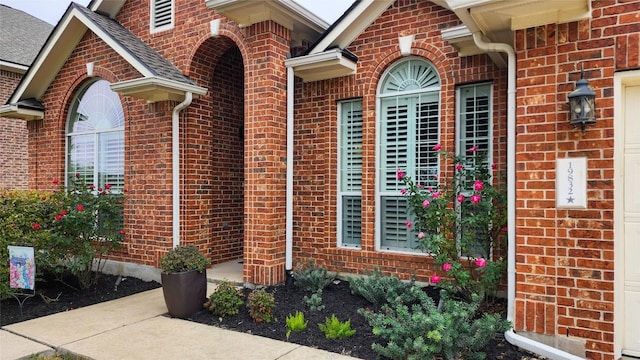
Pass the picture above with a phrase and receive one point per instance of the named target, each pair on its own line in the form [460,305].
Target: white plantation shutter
[350,209]
[409,130]
[474,119]
[95,137]
[161,14]
[111,160]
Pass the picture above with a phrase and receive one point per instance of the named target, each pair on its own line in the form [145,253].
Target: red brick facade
[233,150]
[13,134]
[565,258]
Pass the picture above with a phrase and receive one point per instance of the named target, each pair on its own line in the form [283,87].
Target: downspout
[289,190]
[510,335]
[175,162]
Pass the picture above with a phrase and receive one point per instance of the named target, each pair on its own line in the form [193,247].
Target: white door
[631,220]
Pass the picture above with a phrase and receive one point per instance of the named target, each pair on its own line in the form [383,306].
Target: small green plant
[314,301]
[295,323]
[261,305]
[225,300]
[313,279]
[335,329]
[379,289]
[422,331]
[184,258]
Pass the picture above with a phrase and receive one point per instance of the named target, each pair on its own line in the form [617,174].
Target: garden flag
[22,267]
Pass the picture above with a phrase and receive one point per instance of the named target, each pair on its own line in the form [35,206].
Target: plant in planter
[184,280]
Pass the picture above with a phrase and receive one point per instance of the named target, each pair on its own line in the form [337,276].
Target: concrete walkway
[135,327]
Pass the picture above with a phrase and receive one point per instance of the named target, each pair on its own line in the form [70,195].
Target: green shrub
[424,332]
[334,329]
[225,300]
[314,301]
[380,290]
[261,305]
[295,323]
[184,258]
[313,279]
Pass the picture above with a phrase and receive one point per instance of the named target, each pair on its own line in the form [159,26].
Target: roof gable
[68,33]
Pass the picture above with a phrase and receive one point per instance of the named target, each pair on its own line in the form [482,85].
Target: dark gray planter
[184,292]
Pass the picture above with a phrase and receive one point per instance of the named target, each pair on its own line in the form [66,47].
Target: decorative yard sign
[22,272]
[571,183]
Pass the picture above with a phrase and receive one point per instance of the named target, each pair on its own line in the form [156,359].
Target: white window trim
[339,192]
[68,134]
[152,15]
[458,125]
[378,157]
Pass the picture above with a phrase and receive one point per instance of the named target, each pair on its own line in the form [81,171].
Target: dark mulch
[62,297]
[338,300]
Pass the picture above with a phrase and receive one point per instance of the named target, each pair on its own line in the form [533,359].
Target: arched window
[95,137]
[408,130]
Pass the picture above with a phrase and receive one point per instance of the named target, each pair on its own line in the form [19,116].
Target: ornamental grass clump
[295,323]
[335,329]
[461,223]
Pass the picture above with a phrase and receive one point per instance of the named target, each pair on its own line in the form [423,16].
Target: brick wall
[233,153]
[13,144]
[316,137]
[565,257]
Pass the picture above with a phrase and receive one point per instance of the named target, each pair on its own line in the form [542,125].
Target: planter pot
[184,292]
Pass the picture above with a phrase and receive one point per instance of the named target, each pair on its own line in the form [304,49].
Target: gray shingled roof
[21,36]
[146,56]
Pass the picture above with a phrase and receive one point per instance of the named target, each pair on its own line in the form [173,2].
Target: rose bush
[72,230]
[461,223]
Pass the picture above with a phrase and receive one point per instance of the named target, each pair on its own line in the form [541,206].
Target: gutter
[510,335]
[289,190]
[175,162]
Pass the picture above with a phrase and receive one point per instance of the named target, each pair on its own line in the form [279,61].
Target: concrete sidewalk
[135,327]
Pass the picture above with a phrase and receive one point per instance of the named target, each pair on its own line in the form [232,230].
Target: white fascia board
[56,51]
[464,4]
[155,89]
[456,32]
[350,27]
[110,7]
[13,67]
[15,112]
[327,65]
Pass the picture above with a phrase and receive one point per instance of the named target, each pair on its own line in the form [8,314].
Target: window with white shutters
[95,137]
[162,15]
[474,130]
[409,128]
[350,177]
[474,125]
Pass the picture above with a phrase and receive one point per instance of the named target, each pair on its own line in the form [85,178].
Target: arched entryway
[213,141]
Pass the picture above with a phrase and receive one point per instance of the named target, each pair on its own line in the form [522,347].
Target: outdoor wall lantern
[582,103]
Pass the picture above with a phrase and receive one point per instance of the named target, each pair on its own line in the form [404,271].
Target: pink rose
[400,174]
[475,198]
[437,147]
[409,223]
[79,207]
[420,235]
[461,198]
[426,203]
[446,267]
[403,191]
[36,226]
[56,181]
[58,217]
[435,195]
[458,167]
[435,279]
[478,185]
[473,149]
[481,262]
